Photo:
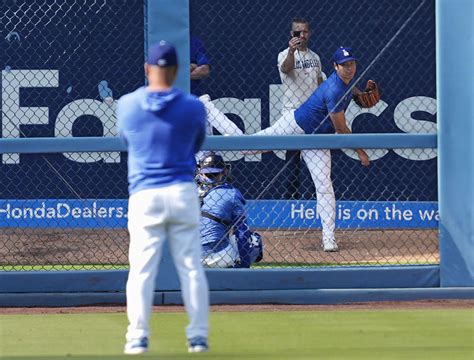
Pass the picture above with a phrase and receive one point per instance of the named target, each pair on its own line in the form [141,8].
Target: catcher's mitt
[369,97]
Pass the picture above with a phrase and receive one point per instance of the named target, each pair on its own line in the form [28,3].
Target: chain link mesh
[395,46]
[64,64]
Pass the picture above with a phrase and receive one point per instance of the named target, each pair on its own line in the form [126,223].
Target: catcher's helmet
[212,163]
[212,171]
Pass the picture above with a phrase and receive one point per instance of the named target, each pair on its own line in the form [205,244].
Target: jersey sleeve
[122,113]
[281,59]
[120,116]
[320,66]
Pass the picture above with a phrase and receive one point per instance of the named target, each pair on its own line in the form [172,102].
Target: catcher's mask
[212,171]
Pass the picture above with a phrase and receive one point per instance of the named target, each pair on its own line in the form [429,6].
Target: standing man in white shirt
[301,73]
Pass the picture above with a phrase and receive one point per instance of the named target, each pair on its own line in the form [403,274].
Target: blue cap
[343,54]
[162,54]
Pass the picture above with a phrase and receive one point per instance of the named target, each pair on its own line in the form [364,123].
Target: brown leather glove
[369,97]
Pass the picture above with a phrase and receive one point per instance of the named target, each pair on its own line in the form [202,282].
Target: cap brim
[211,170]
[346,60]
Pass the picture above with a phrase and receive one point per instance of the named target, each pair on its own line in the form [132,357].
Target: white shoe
[197,345]
[205,98]
[330,246]
[136,346]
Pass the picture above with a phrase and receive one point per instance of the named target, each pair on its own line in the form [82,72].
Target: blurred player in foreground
[227,241]
[324,113]
[163,129]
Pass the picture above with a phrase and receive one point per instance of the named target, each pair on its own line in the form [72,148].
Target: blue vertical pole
[455,78]
[169,20]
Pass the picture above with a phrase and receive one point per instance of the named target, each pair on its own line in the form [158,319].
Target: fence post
[169,20]
[454,34]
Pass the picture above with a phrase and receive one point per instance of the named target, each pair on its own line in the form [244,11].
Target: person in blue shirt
[226,239]
[163,129]
[200,64]
[324,113]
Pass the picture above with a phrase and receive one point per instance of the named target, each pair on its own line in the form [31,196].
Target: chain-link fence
[65,62]
[265,60]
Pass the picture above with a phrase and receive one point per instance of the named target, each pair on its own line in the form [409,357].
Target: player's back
[226,203]
[331,96]
[163,130]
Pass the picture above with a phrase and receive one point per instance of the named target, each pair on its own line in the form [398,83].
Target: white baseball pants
[225,258]
[318,162]
[168,213]
[217,119]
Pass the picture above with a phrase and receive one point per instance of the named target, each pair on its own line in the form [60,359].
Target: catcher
[227,241]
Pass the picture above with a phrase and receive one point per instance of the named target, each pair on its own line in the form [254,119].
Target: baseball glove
[369,97]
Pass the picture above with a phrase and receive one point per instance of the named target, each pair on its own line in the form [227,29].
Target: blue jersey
[313,115]
[225,203]
[163,131]
[198,56]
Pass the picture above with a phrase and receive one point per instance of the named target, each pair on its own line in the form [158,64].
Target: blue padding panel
[332,141]
[60,145]
[304,297]
[228,279]
[328,296]
[455,44]
[169,20]
[62,281]
[326,278]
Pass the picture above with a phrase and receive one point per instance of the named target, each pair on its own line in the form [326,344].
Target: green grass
[360,334]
